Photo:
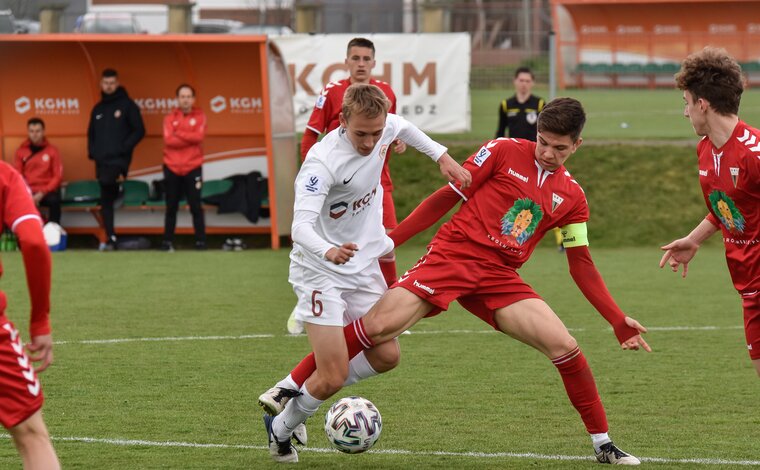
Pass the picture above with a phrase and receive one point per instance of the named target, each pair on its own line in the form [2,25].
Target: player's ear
[343,122]
[577,143]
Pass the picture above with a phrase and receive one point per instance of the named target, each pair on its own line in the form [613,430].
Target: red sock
[356,342]
[581,389]
[388,268]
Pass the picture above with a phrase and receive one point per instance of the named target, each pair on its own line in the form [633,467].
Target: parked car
[216,26]
[268,29]
[7,22]
[108,23]
[27,27]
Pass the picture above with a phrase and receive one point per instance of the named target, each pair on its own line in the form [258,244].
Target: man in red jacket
[184,130]
[20,392]
[39,163]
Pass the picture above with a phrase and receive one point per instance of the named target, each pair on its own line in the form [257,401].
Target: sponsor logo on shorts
[427,289]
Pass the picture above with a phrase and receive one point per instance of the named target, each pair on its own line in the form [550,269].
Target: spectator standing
[184,131]
[39,163]
[116,127]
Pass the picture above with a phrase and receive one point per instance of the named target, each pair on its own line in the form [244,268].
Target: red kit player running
[20,391]
[520,190]
[729,172]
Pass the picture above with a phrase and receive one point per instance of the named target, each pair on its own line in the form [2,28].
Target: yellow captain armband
[574,235]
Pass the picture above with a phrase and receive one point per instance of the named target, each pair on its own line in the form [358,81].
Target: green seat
[215,187]
[751,66]
[136,193]
[84,193]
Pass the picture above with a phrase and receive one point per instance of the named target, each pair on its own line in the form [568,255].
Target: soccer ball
[353,424]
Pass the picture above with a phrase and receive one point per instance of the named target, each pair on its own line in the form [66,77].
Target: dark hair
[715,76]
[35,120]
[108,73]
[184,85]
[524,70]
[360,42]
[562,116]
[365,100]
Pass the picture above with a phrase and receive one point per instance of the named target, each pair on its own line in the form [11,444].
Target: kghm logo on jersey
[520,222]
[338,209]
[726,210]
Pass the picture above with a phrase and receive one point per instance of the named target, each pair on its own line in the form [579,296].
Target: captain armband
[574,235]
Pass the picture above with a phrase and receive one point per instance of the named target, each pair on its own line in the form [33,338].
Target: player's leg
[173,193]
[109,191]
[33,444]
[751,305]
[388,262]
[532,322]
[193,182]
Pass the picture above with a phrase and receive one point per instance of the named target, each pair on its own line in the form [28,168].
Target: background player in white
[338,237]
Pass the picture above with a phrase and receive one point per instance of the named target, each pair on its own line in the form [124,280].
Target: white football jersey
[344,188]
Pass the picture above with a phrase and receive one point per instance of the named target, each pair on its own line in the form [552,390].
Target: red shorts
[447,273]
[20,391]
[751,306]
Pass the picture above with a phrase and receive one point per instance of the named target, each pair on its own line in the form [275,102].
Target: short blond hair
[365,100]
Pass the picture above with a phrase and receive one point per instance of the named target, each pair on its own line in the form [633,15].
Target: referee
[520,112]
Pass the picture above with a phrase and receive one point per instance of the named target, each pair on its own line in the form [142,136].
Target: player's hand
[453,171]
[341,254]
[399,146]
[679,252]
[37,197]
[41,350]
[635,342]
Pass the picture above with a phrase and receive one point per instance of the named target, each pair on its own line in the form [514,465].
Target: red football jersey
[513,202]
[16,205]
[730,179]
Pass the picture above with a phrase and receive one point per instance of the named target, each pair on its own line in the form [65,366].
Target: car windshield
[104,24]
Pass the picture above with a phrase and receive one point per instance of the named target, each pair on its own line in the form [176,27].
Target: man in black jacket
[116,127]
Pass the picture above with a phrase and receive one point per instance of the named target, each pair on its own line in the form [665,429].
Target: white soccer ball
[353,424]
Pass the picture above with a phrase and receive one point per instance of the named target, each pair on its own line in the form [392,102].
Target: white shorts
[332,299]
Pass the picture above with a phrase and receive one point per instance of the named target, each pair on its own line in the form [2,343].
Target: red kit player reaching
[20,391]
[360,60]
[729,173]
[519,191]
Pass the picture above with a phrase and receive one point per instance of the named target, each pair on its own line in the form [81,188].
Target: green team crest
[520,222]
[726,210]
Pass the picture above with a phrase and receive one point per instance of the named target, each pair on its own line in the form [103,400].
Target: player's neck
[522,97]
[720,129]
[352,80]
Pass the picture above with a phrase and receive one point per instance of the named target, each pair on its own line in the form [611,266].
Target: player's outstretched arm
[453,171]
[680,252]
[37,263]
[627,330]
[426,214]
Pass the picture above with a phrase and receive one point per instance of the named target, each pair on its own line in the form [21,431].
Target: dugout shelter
[242,85]
[640,43]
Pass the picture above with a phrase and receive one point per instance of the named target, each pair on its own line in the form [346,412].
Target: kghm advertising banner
[429,73]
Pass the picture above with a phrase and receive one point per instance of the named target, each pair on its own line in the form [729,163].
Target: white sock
[296,412]
[599,439]
[288,383]
[359,369]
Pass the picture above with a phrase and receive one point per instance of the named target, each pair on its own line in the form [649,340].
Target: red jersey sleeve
[483,164]
[56,168]
[170,139]
[321,114]
[18,161]
[193,134]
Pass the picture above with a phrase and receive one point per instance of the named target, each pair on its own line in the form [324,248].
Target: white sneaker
[282,452]
[610,453]
[273,401]
[295,327]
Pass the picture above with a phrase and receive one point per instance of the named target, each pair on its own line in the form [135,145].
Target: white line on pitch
[416,332]
[483,455]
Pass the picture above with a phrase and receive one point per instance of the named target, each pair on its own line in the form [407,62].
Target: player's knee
[562,346]
[28,433]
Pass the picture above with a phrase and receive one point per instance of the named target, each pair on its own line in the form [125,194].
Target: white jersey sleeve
[411,135]
[304,233]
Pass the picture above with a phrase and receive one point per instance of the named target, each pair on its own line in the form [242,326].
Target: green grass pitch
[463,396]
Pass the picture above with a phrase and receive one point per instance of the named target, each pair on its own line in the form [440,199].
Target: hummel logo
[427,289]
[517,175]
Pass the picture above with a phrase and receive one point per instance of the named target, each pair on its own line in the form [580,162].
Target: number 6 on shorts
[316,304]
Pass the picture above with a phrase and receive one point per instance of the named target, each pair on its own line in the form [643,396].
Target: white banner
[430,74]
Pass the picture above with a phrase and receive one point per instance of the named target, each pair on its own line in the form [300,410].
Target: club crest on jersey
[383,151]
[481,156]
[313,184]
[338,209]
[725,209]
[520,222]
[531,117]
[556,201]
[734,175]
